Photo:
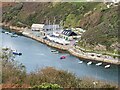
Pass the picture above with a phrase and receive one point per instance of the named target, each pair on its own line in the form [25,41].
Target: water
[37,55]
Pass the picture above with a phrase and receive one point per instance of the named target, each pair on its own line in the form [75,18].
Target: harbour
[37,55]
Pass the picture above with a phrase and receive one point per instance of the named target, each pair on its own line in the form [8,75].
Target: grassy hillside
[68,14]
[102,29]
[100,22]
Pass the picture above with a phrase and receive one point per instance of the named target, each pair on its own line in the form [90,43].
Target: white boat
[80,62]
[6,32]
[56,52]
[89,63]
[10,33]
[15,35]
[107,66]
[98,64]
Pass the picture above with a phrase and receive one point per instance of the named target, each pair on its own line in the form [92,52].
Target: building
[51,27]
[58,40]
[37,27]
[68,34]
[80,30]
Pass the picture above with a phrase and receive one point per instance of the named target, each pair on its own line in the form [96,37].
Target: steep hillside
[100,22]
[102,29]
[68,14]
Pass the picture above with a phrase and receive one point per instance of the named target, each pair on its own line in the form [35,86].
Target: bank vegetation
[14,75]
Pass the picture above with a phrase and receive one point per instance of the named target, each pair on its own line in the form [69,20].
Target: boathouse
[37,27]
[51,27]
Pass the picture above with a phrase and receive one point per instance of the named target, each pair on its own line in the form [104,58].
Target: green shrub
[14,73]
[48,86]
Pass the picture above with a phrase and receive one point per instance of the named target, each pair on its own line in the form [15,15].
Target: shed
[37,27]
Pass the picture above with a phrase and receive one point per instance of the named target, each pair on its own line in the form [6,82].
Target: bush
[47,86]
[14,74]
[12,71]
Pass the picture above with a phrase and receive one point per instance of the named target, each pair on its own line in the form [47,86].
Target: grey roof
[51,26]
[69,33]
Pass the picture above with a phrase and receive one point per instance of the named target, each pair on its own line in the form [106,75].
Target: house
[52,27]
[68,34]
[37,27]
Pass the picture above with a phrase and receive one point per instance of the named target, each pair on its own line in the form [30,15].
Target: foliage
[47,86]
[70,21]
[100,22]
[105,32]
[14,73]
[41,12]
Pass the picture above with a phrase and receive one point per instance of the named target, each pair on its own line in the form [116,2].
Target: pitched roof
[51,26]
[38,25]
[69,33]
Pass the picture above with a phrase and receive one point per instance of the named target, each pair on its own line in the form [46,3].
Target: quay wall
[73,51]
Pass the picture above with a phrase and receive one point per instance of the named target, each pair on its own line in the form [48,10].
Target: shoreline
[70,49]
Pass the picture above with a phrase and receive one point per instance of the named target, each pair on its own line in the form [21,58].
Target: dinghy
[3,31]
[98,64]
[107,66]
[10,33]
[56,52]
[89,63]
[15,35]
[53,50]
[6,32]
[62,57]
[17,53]
[80,62]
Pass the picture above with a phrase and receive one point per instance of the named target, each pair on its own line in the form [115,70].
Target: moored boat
[3,31]
[6,32]
[53,50]
[17,53]
[56,52]
[107,66]
[80,62]
[14,35]
[10,33]
[89,63]
[98,64]
[62,57]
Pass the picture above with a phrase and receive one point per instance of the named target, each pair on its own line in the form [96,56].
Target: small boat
[107,66]
[80,62]
[53,50]
[10,33]
[56,52]
[62,57]
[14,35]
[17,53]
[3,31]
[89,63]
[6,32]
[98,64]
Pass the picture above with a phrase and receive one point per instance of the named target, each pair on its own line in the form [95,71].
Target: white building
[37,27]
[52,27]
[80,30]
[58,40]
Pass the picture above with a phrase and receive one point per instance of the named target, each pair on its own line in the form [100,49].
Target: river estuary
[37,55]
